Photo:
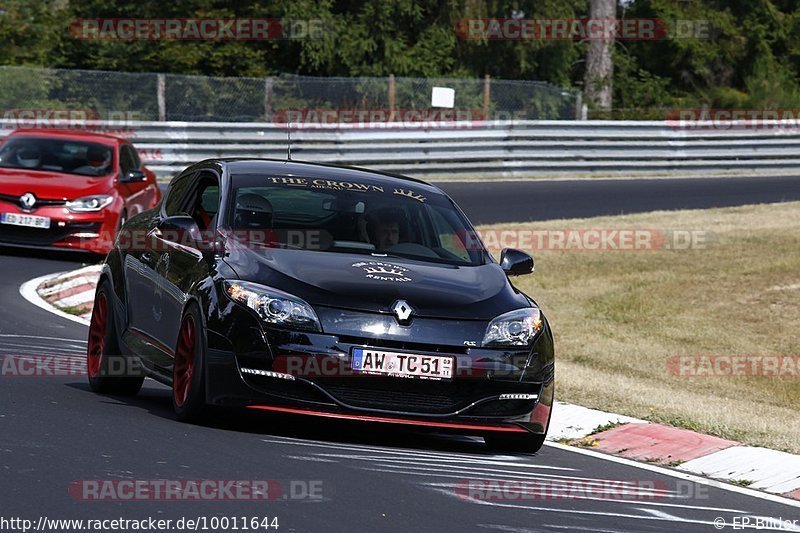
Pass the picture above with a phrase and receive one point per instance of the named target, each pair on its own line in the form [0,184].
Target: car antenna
[289,139]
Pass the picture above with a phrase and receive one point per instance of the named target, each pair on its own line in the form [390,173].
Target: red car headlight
[90,204]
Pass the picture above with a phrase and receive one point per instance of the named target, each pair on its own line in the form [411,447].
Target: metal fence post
[268,98]
[162,97]
[487,80]
[579,114]
[391,98]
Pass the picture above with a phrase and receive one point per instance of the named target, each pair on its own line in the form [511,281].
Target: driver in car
[98,162]
[385,230]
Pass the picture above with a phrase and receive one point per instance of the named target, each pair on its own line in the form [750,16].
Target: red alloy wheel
[184,362]
[97,335]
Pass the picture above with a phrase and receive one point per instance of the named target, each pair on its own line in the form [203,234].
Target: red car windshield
[57,155]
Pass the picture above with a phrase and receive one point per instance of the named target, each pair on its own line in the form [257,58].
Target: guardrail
[522,149]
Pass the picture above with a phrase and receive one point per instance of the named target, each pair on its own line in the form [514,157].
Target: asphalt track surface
[54,432]
[491,202]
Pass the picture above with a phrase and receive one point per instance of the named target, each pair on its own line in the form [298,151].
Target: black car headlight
[275,307]
[515,328]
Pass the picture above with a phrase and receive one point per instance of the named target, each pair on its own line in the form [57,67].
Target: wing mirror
[133,176]
[515,262]
[180,229]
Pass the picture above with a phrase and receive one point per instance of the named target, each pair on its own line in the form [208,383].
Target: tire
[103,353]
[188,375]
[529,443]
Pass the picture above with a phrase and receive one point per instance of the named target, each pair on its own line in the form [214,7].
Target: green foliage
[719,53]
[772,86]
[741,54]
[638,93]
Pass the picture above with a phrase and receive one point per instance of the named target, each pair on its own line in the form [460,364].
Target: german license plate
[28,221]
[405,365]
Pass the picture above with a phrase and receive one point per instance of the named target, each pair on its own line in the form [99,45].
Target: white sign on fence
[443,97]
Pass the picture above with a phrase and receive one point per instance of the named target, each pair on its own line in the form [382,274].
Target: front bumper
[287,371]
[87,232]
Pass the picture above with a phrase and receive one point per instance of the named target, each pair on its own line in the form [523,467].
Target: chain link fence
[39,94]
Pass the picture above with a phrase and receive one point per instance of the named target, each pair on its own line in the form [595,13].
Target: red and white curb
[758,468]
[626,438]
[67,294]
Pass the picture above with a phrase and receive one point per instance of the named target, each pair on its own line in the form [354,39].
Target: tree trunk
[599,67]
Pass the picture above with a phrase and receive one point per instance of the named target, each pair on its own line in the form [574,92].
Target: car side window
[177,195]
[449,239]
[205,202]
[136,159]
[127,159]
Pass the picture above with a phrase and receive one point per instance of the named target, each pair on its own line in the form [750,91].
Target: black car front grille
[403,345]
[422,396]
[423,402]
[504,408]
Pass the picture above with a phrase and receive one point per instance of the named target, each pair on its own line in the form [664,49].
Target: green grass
[606,427]
[76,310]
[617,316]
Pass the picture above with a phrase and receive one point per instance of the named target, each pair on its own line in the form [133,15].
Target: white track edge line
[28,291]
[775,498]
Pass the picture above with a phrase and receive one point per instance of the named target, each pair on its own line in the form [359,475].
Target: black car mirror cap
[515,262]
[133,176]
[180,229]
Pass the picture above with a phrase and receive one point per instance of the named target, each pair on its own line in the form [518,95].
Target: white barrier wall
[521,149]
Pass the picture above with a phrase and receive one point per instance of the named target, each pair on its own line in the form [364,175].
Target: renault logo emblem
[27,200]
[402,311]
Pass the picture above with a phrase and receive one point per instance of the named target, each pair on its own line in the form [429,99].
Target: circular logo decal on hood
[380,271]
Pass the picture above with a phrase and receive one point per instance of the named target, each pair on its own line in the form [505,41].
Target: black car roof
[317,170]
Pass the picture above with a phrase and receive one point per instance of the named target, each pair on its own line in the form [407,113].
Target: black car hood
[373,283]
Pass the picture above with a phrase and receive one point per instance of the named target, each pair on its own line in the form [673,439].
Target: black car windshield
[353,216]
[57,155]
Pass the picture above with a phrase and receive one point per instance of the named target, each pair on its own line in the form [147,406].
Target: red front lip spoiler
[402,421]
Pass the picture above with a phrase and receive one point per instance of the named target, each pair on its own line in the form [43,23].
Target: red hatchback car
[70,190]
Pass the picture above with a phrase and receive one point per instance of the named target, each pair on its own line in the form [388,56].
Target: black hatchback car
[322,291]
